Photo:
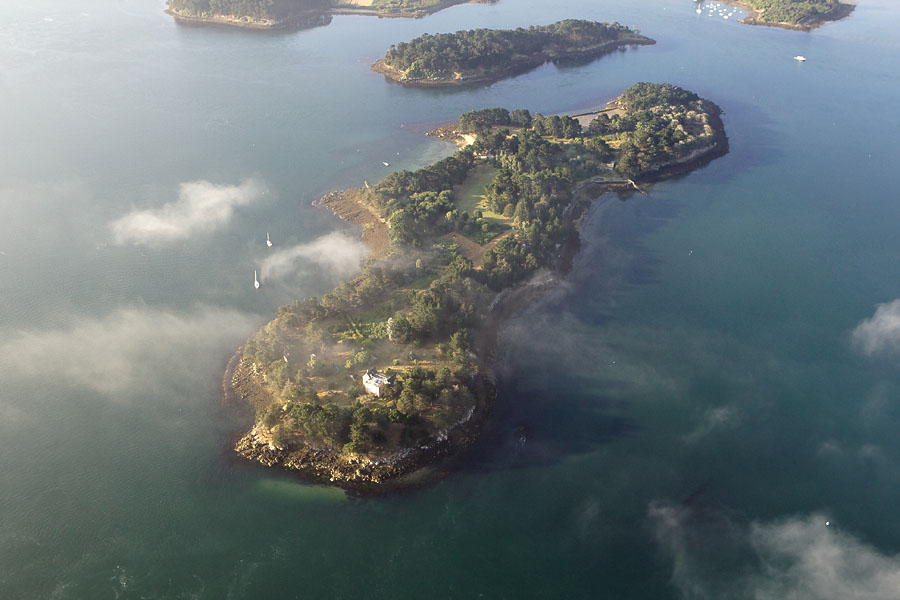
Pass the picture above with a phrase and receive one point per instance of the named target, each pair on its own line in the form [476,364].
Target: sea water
[680,418]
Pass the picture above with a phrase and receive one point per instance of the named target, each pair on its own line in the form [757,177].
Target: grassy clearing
[469,198]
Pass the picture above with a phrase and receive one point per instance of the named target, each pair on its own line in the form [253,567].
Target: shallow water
[695,406]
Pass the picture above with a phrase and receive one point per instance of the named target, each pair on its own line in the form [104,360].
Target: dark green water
[695,401]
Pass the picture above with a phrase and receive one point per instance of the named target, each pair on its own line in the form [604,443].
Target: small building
[373,381]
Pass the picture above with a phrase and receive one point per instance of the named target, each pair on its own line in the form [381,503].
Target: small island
[280,14]
[487,55]
[370,384]
[802,15]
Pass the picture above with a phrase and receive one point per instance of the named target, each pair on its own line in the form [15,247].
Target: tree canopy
[444,54]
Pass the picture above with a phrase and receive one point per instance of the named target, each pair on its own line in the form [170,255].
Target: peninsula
[369,385]
[487,55]
[802,15]
[280,14]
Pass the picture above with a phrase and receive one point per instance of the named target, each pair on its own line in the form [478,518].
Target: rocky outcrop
[300,21]
[366,473]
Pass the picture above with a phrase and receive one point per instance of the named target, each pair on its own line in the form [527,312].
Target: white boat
[255,280]
[268,241]
[799,58]
[387,164]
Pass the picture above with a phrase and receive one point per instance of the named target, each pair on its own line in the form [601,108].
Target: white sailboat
[268,241]
[255,280]
[799,58]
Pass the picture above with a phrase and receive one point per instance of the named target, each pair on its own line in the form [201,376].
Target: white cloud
[799,558]
[126,348]
[336,252]
[805,560]
[201,207]
[880,333]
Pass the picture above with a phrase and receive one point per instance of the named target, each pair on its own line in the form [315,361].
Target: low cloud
[799,558]
[880,334]
[714,420]
[336,253]
[202,207]
[805,560]
[129,347]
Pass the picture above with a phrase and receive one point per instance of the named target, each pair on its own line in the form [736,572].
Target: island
[487,55]
[802,15]
[371,384]
[280,14]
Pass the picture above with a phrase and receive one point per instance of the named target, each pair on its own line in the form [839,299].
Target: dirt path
[473,251]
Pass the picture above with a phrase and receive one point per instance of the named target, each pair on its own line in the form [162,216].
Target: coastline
[423,465]
[311,18]
[754,14]
[515,67]
[412,14]
[349,206]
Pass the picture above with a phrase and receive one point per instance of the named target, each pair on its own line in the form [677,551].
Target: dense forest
[269,10]
[281,10]
[797,11]
[444,55]
[414,316]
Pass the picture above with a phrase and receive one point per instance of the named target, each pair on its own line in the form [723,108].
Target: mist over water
[717,379]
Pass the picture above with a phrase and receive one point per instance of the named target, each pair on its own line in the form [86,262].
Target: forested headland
[272,14]
[420,319]
[794,14]
[484,55]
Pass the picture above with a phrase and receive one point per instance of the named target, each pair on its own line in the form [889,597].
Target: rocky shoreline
[311,18]
[517,66]
[301,21]
[413,467]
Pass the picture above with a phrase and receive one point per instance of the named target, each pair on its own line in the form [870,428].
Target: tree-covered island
[372,382]
[803,15]
[275,14]
[486,55]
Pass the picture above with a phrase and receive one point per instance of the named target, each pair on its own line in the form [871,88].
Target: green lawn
[469,197]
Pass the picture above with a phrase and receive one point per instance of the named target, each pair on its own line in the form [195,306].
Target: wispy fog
[129,347]
[880,334]
[799,558]
[715,419]
[337,253]
[202,207]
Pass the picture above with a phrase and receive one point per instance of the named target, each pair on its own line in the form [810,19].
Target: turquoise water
[695,404]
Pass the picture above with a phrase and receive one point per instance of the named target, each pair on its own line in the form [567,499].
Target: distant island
[369,385]
[802,15]
[278,14]
[486,55]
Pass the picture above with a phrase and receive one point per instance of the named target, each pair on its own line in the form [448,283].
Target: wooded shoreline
[517,66]
[312,18]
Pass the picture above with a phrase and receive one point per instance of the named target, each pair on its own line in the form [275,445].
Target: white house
[373,381]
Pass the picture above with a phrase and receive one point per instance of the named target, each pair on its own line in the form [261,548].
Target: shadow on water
[544,418]
[577,62]
[556,382]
